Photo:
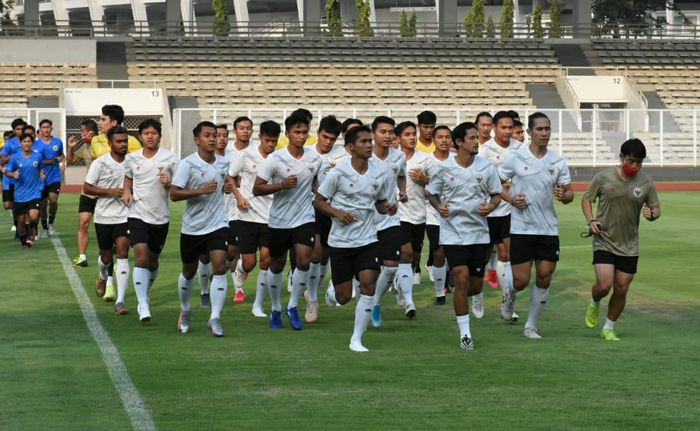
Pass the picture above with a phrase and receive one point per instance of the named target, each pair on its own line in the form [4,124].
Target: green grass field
[415,377]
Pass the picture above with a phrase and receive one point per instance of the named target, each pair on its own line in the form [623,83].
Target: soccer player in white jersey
[419,167]
[290,174]
[495,151]
[328,132]
[351,193]
[393,248]
[464,190]
[539,176]
[442,138]
[105,179]
[518,131]
[201,179]
[254,211]
[484,122]
[148,173]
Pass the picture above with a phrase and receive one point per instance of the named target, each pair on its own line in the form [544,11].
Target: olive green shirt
[619,205]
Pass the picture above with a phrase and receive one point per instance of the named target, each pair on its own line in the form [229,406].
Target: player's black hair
[91,125]
[353,133]
[116,130]
[460,132]
[240,120]
[441,127]
[634,148]
[270,128]
[331,125]
[501,115]
[29,127]
[517,123]
[198,128]
[305,113]
[348,122]
[16,122]
[24,136]
[403,126]
[532,117]
[514,115]
[482,114]
[45,120]
[150,122]
[114,112]
[7,134]
[427,117]
[382,119]
[222,126]
[295,119]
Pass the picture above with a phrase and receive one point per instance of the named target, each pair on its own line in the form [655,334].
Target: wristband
[591,221]
[652,216]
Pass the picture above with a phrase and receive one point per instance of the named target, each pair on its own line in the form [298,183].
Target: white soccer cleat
[507,307]
[144,313]
[330,296]
[477,303]
[400,301]
[532,333]
[13,229]
[258,311]
[356,346]
[44,234]
[52,230]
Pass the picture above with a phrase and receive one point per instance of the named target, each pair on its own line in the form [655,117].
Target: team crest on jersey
[452,179]
[526,168]
[375,185]
[331,165]
[55,147]
[311,167]
[35,164]
[395,168]
[161,167]
[352,185]
[637,192]
[550,170]
[479,178]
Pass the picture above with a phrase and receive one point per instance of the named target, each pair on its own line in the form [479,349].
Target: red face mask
[630,170]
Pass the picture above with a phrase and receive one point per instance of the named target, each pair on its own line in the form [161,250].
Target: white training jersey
[432,217]
[150,198]
[107,173]
[231,154]
[413,211]
[355,193]
[246,166]
[331,159]
[536,178]
[496,154]
[291,207]
[393,166]
[205,213]
[464,190]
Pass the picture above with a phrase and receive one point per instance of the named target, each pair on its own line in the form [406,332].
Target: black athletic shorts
[24,207]
[346,263]
[433,232]
[193,246]
[499,228]
[251,236]
[323,227]
[107,234]
[626,264]
[390,242]
[233,232]
[415,234]
[154,235]
[524,248]
[281,240]
[51,188]
[9,194]
[472,256]
[86,204]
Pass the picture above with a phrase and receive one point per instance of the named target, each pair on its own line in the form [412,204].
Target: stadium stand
[41,80]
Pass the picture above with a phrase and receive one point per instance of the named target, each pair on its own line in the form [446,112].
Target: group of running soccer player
[482,194]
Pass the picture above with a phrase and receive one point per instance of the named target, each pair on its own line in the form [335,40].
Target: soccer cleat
[276,320]
[215,327]
[311,315]
[411,311]
[100,286]
[52,230]
[13,228]
[239,296]
[183,322]
[258,311]
[515,317]
[609,335]
[400,301]
[80,261]
[532,333]
[356,346]
[377,316]
[144,313]
[120,309]
[27,243]
[205,300]
[507,307]
[492,278]
[293,317]
[416,278]
[477,303]
[440,300]
[592,313]
[44,234]
[110,294]
[238,280]
[466,343]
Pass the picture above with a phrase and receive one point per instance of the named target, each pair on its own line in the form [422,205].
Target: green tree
[335,25]
[537,31]
[362,25]
[404,24]
[614,15]
[221,23]
[412,31]
[490,28]
[506,23]
[474,20]
[555,21]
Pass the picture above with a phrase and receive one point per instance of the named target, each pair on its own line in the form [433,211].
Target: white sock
[463,323]
[152,275]
[141,284]
[355,287]
[405,273]
[274,284]
[82,256]
[609,324]
[110,280]
[122,268]
[363,312]
[103,268]
[184,288]
[300,280]
[493,260]
[386,277]
[238,275]
[505,276]
[314,280]
[218,295]
[204,271]
[537,302]
[439,275]
[261,288]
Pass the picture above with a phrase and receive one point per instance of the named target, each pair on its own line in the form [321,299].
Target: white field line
[136,408]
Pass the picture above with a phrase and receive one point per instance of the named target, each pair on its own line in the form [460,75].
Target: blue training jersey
[51,151]
[29,185]
[11,147]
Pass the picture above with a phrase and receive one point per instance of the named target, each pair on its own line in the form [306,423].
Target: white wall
[43,51]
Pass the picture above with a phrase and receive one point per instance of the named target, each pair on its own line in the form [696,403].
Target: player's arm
[384,207]
[494,190]
[401,183]
[652,206]
[93,190]
[651,213]
[261,187]
[564,193]
[434,191]
[127,196]
[594,227]
[180,194]
[322,204]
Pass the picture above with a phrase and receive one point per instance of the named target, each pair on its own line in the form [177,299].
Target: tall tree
[612,15]
[555,20]
[221,23]
[335,25]
[507,15]
[537,31]
[490,28]
[474,20]
[412,25]
[362,25]
[404,24]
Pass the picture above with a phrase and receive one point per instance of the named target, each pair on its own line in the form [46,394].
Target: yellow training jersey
[425,148]
[99,145]
[283,141]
